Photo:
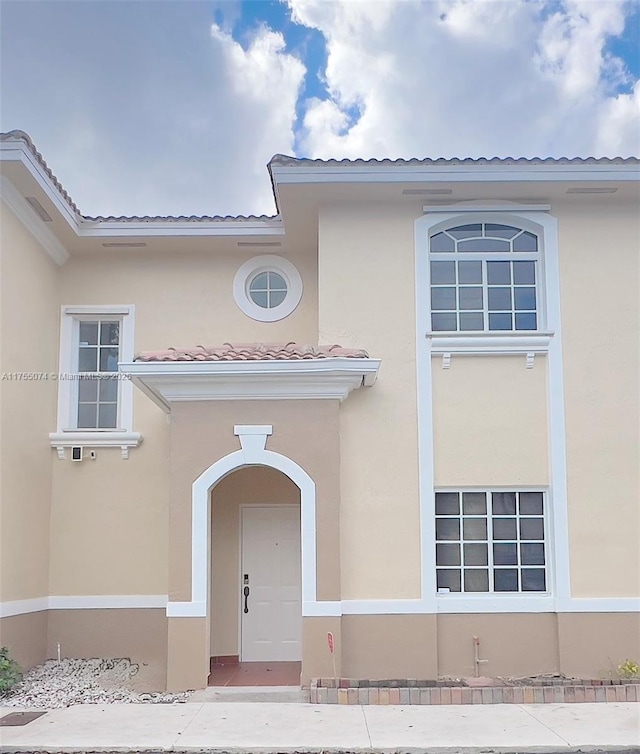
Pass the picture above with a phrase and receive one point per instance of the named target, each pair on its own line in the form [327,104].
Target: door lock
[246,598]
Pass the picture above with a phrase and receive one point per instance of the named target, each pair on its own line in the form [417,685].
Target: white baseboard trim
[328,609]
[83,602]
[186,609]
[21,607]
[599,605]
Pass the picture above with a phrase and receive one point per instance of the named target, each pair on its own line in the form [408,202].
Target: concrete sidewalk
[256,727]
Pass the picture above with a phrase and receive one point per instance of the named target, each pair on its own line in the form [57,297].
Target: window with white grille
[491,541]
[484,277]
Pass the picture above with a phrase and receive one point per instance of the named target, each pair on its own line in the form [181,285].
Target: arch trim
[251,454]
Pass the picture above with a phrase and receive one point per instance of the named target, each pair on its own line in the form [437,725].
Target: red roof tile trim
[253,352]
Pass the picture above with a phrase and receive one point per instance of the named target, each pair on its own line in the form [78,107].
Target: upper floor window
[484,277]
[93,394]
[98,355]
[267,288]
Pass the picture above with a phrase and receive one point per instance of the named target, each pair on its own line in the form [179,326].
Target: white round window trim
[250,270]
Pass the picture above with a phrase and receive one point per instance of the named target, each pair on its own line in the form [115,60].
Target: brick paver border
[413,691]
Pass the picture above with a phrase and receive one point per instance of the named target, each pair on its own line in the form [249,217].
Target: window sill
[516,602]
[490,343]
[97,438]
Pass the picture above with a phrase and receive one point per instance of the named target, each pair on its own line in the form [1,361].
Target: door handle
[246,598]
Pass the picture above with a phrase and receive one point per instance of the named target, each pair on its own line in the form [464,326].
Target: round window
[267,288]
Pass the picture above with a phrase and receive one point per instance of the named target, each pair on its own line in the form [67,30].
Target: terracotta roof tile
[253,352]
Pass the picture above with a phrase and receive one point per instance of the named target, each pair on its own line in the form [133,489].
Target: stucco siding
[29,336]
[600,278]
[366,300]
[490,422]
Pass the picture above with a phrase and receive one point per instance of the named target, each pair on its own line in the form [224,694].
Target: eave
[453,172]
[167,383]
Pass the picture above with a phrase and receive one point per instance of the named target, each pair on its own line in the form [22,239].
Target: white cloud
[182,120]
[469,78]
[619,123]
[154,108]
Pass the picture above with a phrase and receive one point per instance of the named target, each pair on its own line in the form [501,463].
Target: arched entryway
[291,476]
[255,599]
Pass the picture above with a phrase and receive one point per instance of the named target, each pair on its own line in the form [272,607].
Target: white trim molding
[84,602]
[367,172]
[27,216]
[267,263]
[334,609]
[252,453]
[168,382]
[483,344]
[123,440]
[547,341]
[67,434]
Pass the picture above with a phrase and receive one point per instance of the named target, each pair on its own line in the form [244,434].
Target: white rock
[96,681]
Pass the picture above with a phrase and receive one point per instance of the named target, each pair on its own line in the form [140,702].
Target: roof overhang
[468,171]
[64,231]
[167,383]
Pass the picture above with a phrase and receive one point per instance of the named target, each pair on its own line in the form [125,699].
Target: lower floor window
[490,541]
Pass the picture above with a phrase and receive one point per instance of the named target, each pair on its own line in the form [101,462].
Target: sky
[176,107]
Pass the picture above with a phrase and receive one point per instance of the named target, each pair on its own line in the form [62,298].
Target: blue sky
[149,107]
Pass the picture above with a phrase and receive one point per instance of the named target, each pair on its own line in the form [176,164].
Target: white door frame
[240,557]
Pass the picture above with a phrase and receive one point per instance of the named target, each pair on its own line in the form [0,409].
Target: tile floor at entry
[255,674]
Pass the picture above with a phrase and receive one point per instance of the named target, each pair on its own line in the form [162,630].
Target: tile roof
[253,352]
[26,139]
[21,136]
[283,160]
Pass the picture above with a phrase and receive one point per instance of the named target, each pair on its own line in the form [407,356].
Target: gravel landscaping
[96,681]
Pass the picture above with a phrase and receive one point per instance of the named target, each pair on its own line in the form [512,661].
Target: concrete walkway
[256,727]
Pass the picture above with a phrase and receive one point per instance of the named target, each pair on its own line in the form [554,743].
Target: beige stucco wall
[140,635]
[594,645]
[366,278]
[29,336]
[512,644]
[389,646]
[304,431]
[26,637]
[185,299]
[111,505]
[109,516]
[600,281]
[366,300]
[187,656]
[490,421]
[317,661]
[255,485]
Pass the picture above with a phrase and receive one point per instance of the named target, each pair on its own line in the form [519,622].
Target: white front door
[270,584]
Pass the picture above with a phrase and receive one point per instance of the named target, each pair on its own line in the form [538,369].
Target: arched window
[484,277]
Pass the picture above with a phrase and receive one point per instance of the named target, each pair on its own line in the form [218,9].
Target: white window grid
[485,257]
[485,285]
[97,375]
[267,289]
[488,517]
[69,376]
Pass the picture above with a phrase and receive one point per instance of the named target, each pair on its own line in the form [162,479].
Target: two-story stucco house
[404,409]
